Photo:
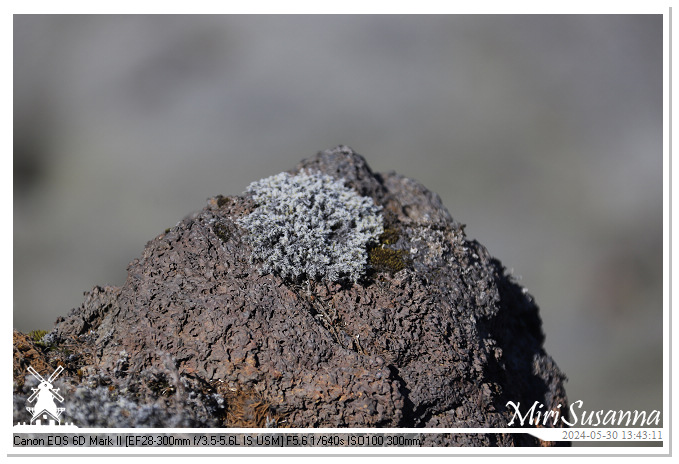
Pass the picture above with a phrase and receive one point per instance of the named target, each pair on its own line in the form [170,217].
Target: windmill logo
[45,407]
[45,410]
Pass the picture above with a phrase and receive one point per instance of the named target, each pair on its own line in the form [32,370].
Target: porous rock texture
[436,334]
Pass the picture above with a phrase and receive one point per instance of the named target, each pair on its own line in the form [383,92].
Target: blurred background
[542,133]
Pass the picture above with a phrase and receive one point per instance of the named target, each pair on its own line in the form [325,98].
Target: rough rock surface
[436,334]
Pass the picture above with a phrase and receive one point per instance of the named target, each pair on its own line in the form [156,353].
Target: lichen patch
[311,225]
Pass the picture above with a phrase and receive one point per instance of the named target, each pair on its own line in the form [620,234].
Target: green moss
[221,200]
[389,236]
[382,258]
[222,232]
[36,335]
[386,259]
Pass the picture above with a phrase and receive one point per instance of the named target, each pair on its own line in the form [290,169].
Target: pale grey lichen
[311,225]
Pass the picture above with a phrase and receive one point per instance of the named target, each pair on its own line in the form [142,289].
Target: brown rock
[437,335]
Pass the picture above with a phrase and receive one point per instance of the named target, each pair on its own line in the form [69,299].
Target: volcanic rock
[436,334]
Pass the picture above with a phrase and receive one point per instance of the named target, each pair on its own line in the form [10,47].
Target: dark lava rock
[436,335]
